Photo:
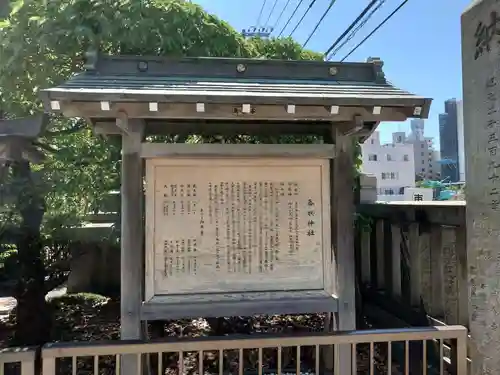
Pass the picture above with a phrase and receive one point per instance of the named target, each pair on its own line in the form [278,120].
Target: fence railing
[403,348]
[17,361]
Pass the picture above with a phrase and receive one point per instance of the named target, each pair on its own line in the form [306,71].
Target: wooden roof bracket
[122,122]
[358,125]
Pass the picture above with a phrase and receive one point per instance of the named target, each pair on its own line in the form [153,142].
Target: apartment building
[392,164]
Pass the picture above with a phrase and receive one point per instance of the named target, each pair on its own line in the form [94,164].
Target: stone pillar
[481,84]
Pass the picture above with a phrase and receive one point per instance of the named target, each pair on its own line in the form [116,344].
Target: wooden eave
[209,91]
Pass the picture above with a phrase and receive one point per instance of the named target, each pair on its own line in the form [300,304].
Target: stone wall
[95,268]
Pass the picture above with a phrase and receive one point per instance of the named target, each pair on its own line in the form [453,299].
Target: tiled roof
[167,89]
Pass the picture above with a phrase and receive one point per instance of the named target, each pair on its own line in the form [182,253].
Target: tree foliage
[43,44]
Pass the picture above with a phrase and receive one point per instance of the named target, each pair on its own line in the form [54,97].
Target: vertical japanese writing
[277,216]
[215,197]
[266,226]
[180,257]
[180,199]
[484,34]
[202,222]
[246,228]
[311,213]
[229,227]
[252,194]
[491,128]
[272,226]
[260,229]
[210,204]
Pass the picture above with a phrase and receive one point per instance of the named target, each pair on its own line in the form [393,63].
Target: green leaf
[42,45]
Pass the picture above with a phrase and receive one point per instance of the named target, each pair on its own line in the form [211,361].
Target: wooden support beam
[132,247]
[233,111]
[343,210]
[437,279]
[379,236]
[163,150]
[415,265]
[396,260]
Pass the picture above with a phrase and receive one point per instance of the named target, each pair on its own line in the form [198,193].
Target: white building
[392,164]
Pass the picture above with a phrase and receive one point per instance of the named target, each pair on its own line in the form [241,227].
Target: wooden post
[379,238]
[343,210]
[415,265]
[437,293]
[365,254]
[132,228]
[396,260]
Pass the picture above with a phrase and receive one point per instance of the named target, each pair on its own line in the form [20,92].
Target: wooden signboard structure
[235,229]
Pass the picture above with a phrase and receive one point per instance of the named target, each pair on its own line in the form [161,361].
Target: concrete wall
[95,268]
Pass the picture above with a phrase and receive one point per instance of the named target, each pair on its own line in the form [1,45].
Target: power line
[375,29]
[303,16]
[257,24]
[355,31]
[271,13]
[351,26]
[289,19]
[281,13]
[319,22]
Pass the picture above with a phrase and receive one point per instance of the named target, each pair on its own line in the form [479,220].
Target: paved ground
[8,303]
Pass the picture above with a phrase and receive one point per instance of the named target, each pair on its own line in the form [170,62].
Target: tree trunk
[33,318]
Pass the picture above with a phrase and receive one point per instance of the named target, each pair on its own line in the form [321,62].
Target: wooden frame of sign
[231,230]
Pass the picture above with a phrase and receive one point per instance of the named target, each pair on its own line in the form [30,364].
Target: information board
[236,225]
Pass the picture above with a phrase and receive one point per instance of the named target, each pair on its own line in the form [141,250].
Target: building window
[372,157]
[372,141]
[406,158]
[422,146]
[389,192]
[422,154]
[390,175]
[399,139]
[423,162]
[389,157]
[423,169]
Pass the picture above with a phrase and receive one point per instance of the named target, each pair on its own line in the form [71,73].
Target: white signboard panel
[237,229]
[418,194]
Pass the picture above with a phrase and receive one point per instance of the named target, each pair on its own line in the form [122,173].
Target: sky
[420,45]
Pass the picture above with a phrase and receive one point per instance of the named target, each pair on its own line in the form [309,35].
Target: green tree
[43,44]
